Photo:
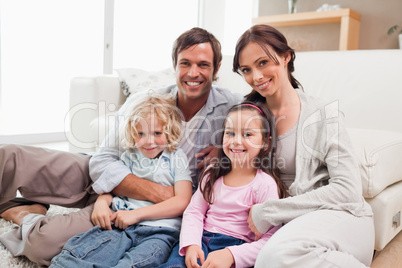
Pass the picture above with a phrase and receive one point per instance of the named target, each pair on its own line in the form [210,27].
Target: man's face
[195,72]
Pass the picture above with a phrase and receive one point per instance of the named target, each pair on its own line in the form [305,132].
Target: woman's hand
[102,213]
[252,226]
[222,258]
[194,253]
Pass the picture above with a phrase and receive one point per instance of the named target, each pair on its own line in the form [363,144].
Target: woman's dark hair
[266,36]
[265,159]
[197,36]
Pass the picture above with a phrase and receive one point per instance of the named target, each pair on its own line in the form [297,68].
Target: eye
[204,65]
[184,64]
[247,134]
[263,63]
[229,133]
[245,70]
[158,133]
[141,134]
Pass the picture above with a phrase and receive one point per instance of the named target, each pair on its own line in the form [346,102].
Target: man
[196,58]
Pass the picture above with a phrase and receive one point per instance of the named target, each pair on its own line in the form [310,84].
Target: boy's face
[151,139]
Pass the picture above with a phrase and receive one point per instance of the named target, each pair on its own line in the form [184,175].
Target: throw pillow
[133,80]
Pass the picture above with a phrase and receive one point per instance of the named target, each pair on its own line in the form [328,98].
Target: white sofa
[365,83]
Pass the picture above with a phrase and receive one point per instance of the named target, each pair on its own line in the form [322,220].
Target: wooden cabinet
[348,19]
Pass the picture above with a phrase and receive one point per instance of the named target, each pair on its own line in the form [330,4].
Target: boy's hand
[222,258]
[193,253]
[124,218]
[101,215]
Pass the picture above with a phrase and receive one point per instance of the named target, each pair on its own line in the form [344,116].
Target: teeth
[237,151]
[193,84]
[264,85]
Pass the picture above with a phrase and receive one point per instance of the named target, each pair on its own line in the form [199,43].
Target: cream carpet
[6,259]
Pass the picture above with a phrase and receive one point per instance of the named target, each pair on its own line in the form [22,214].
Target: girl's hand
[124,218]
[222,258]
[252,226]
[101,214]
[193,253]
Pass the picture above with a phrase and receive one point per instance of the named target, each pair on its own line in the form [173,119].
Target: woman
[327,221]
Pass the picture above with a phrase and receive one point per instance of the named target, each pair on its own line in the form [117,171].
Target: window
[43,44]
[144,31]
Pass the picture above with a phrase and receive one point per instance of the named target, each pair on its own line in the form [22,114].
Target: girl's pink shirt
[228,215]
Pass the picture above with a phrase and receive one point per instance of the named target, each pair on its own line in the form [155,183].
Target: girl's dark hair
[266,36]
[265,159]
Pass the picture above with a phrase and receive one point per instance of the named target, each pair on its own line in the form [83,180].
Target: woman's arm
[326,163]
[169,208]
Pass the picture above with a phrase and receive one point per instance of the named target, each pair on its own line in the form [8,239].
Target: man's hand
[141,189]
[252,227]
[210,155]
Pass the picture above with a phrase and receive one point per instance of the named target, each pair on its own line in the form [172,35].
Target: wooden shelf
[349,20]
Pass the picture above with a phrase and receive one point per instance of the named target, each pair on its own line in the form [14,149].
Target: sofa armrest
[90,98]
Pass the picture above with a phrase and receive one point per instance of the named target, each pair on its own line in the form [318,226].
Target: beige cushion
[380,158]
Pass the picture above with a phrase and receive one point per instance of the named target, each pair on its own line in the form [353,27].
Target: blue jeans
[136,246]
[210,242]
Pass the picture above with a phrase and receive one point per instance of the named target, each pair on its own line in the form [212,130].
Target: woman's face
[260,72]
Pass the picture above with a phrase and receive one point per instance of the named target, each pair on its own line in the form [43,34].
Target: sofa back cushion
[366,83]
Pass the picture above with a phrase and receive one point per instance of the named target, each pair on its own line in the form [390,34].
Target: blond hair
[163,108]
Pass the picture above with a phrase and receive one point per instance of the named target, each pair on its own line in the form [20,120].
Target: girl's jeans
[210,242]
[136,246]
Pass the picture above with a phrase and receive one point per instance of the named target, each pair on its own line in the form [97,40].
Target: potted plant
[398,29]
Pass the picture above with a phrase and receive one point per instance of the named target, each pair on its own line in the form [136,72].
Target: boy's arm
[169,208]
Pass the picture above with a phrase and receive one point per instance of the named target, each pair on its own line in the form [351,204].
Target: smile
[237,151]
[264,85]
[193,84]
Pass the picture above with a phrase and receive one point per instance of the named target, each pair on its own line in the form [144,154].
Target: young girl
[143,233]
[214,229]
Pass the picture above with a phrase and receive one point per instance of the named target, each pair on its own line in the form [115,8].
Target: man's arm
[141,189]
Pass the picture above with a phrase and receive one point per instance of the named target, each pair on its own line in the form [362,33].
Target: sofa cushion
[133,80]
[380,158]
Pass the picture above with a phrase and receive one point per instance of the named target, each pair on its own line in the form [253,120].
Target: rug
[6,259]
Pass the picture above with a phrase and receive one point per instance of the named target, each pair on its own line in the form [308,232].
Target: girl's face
[243,137]
[151,139]
[260,72]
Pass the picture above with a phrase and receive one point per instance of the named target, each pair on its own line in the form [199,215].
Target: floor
[391,255]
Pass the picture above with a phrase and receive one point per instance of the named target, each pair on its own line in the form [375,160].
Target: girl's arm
[169,208]
[101,213]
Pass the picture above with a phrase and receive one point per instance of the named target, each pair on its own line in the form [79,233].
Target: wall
[376,17]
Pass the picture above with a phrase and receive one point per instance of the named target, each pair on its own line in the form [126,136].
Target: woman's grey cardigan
[327,173]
